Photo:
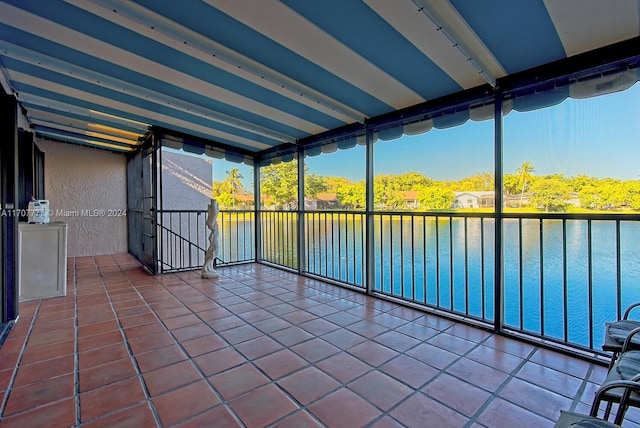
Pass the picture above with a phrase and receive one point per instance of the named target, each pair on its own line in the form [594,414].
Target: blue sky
[598,137]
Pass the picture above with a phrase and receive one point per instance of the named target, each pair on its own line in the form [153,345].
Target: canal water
[561,279]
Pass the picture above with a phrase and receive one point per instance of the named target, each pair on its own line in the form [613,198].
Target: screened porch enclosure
[548,270]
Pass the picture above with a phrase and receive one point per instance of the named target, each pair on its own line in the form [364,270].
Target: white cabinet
[42,260]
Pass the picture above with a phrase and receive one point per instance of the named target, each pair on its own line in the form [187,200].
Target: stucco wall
[87,189]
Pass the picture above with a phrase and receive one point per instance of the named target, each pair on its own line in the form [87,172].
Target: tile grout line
[441,371]
[343,385]
[274,382]
[244,288]
[313,364]
[190,359]
[233,346]
[346,386]
[495,394]
[583,386]
[302,407]
[9,390]
[134,360]
[511,373]
[129,352]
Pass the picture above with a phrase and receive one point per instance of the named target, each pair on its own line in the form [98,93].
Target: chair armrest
[627,342]
[629,387]
[627,311]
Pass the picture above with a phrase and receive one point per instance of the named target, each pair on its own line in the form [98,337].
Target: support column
[498,275]
[8,220]
[302,256]
[370,276]
[257,210]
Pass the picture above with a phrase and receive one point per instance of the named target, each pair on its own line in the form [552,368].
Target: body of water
[562,279]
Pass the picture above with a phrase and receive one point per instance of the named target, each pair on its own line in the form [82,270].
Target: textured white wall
[87,189]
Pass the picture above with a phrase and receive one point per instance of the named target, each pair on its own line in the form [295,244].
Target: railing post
[301,253]
[257,211]
[156,201]
[369,251]
[498,304]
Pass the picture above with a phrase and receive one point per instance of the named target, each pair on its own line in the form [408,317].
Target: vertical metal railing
[279,238]
[585,274]
[237,234]
[335,246]
[565,275]
[184,238]
[426,259]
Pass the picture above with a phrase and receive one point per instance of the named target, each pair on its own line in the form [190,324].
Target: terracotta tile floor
[263,347]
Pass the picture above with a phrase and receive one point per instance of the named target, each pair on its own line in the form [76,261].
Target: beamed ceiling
[255,75]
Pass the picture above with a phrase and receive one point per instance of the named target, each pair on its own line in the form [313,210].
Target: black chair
[616,333]
[577,420]
[626,367]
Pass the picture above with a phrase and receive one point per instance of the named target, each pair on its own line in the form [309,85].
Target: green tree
[279,182]
[551,193]
[435,198]
[352,195]
[226,191]
[314,184]
[226,200]
[390,190]
[605,194]
[335,183]
[589,197]
[577,183]
[410,181]
[525,174]
[613,193]
[233,184]
[632,190]
[234,181]
[511,184]
[384,193]
[477,182]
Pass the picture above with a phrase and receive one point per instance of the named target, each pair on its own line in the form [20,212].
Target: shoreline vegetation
[523,192]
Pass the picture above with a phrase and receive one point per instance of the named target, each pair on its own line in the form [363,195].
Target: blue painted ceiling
[256,74]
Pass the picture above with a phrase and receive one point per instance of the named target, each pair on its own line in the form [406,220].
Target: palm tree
[233,183]
[526,174]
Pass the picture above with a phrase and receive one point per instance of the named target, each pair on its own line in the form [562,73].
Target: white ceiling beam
[102,80]
[64,108]
[16,17]
[82,131]
[47,116]
[462,37]
[283,25]
[152,116]
[63,137]
[155,26]
[405,17]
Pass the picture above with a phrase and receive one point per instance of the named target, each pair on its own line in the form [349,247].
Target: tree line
[415,191]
